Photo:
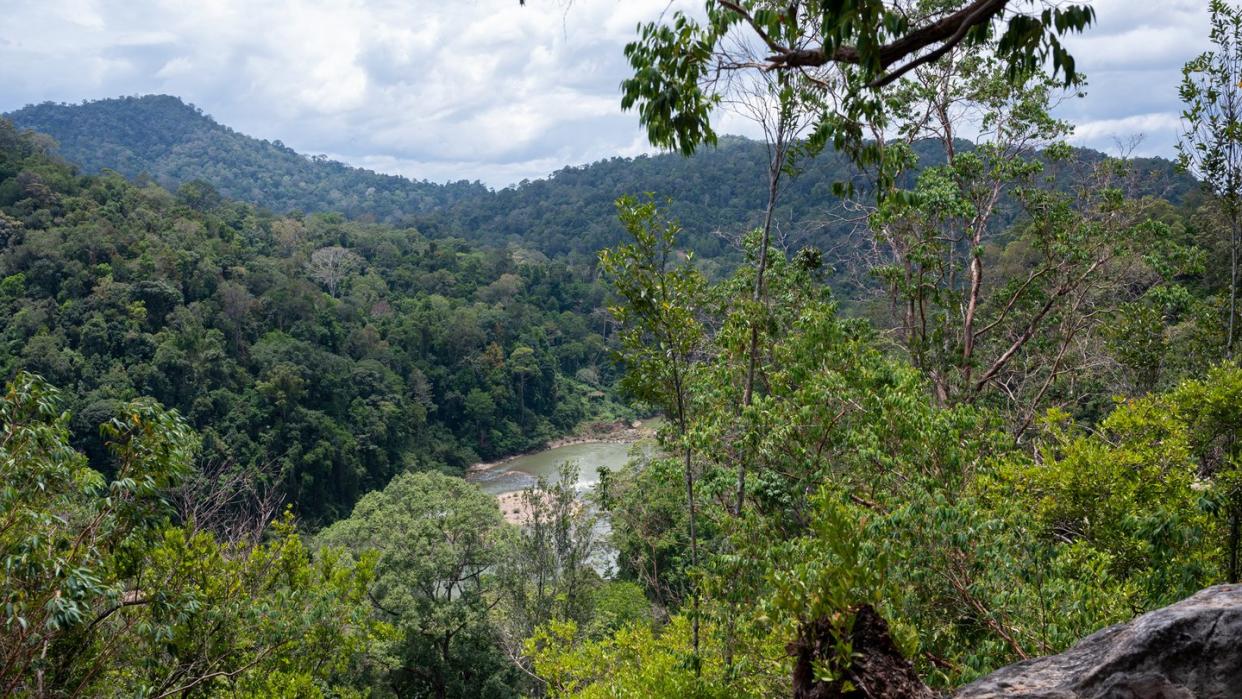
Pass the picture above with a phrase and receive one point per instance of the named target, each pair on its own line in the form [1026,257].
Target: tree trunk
[775,165]
[441,683]
[972,306]
[684,424]
[1233,284]
[1235,528]
[694,563]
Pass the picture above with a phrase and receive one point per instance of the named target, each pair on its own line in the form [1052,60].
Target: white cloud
[478,89]
[1138,134]
[1133,58]
[475,89]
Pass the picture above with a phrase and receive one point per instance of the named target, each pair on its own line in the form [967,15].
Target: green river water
[520,473]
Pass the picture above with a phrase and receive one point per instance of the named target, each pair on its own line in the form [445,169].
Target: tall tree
[104,595]
[838,55]
[437,537]
[1211,144]
[548,575]
[660,332]
[332,265]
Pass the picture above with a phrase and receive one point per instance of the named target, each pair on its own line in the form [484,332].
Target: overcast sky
[471,89]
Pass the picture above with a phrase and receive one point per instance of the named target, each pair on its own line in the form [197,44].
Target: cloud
[1138,134]
[470,89]
[478,89]
[1133,58]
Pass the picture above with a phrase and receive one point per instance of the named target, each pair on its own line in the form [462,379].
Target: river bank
[596,446]
[617,432]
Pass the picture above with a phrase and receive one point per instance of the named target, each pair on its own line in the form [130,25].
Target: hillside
[568,214]
[173,143]
[327,353]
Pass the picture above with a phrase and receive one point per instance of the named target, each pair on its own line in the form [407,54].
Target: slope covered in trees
[163,138]
[717,194]
[328,354]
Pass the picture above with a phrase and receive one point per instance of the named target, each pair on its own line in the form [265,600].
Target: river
[509,478]
[521,472]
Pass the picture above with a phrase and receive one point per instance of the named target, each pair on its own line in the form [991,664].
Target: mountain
[716,194]
[717,190]
[173,143]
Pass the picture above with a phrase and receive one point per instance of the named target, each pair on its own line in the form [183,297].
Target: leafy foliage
[104,594]
[571,214]
[837,56]
[328,355]
[436,537]
[1211,146]
[865,492]
[970,478]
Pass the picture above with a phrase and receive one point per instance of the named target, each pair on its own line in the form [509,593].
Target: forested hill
[720,190]
[330,353]
[570,213]
[173,142]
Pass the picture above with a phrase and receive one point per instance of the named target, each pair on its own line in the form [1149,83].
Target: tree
[942,245]
[548,575]
[769,101]
[120,291]
[437,538]
[837,54]
[1211,144]
[869,500]
[1210,410]
[332,265]
[104,595]
[522,364]
[57,545]
[659,335]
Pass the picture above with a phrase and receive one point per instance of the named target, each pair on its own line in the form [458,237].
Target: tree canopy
[837,54]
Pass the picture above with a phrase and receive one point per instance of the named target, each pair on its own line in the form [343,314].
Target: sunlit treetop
[837,53]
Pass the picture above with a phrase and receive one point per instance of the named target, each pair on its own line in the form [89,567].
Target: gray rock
[1189,650]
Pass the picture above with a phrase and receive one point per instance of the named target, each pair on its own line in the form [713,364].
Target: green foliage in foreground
[861,490]
[977,553]
[104,595]
[437,537]
[978,550]
[115,586]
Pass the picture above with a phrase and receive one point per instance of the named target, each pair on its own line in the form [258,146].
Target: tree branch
[129,599]
[948,31]
[227,675]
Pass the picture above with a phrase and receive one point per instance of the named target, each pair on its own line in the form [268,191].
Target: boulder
[1189,650]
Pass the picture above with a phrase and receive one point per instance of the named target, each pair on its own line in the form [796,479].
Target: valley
[905,394]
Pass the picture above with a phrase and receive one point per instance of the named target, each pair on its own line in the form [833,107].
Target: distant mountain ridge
[569,214]
[173,142]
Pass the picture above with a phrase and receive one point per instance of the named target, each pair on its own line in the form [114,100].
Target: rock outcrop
[1190,650]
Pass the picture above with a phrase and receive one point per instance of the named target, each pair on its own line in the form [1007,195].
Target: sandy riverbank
[513,507]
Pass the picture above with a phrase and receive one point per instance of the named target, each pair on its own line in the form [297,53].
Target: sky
[475,89]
